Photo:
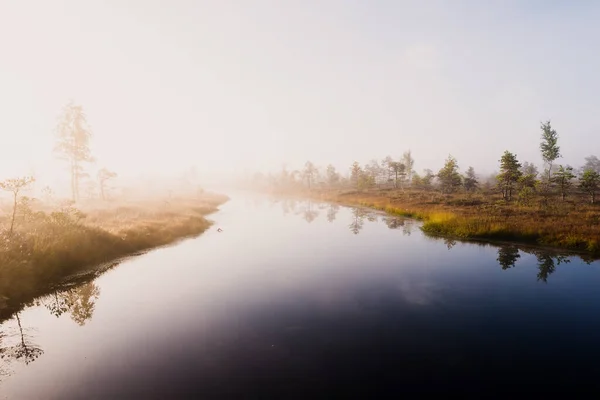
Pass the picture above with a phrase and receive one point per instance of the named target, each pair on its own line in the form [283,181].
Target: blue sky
[242,85]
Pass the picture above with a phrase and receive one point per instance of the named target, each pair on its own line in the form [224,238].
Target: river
[298,299]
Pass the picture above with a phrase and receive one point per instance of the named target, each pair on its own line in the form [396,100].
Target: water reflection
[330,320]
[17,342]
[19,345]
[287,206]
[83,302]
[547,261]
[547,265]
[508,256]
[450,243]
[309,213]
[358,215]
[80,302]
[372,217]
[398,222]
[332,212]
[57,303]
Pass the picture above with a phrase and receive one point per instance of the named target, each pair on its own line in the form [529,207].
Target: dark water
[305,300]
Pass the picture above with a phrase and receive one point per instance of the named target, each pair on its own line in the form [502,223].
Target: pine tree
[74,135]
[509,174]
[449,177]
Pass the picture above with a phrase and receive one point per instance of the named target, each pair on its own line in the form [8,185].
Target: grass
[572,225]
[52,244]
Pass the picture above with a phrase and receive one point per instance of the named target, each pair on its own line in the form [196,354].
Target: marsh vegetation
[555,207]
[46,236]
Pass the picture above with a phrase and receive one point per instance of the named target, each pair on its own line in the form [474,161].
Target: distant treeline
[517,179]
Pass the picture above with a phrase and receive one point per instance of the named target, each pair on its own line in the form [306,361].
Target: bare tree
[15,186]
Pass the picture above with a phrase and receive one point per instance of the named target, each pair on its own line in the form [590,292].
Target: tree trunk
[77,183]
[593,197]
[12,222]
[73,197]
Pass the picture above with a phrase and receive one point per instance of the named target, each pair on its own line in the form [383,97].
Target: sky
[239,86]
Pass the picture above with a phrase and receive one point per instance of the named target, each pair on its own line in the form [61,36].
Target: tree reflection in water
[309,213]
[288,206]
[397,223]
[332,212]
[83,301]
[508,256]
[407,228]
[56,302]
[23,347]
[358,215]
[393,222]
[450,243]
[4,370]
[372,217]
[547,265]
[80,302]
[546,261]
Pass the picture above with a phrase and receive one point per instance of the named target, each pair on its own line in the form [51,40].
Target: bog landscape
[335,199]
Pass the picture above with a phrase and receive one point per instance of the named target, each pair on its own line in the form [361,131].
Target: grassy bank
[568,225]
[48,245]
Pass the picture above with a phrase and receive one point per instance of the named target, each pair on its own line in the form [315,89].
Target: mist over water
[232,87]
[127,272]
[295,298]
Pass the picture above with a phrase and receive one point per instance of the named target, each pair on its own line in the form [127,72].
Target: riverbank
[49,246]
[566,225]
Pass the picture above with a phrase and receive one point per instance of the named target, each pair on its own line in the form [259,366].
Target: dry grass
[573,225]
[49,245]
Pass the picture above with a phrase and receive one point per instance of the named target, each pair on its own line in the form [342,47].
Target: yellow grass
[51,244]
[573,225]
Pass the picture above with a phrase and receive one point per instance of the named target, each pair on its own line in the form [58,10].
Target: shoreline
[71,254]
[462,224]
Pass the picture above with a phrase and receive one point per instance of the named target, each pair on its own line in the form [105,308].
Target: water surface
[297,299]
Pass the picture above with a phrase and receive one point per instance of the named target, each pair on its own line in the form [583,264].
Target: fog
[232,87]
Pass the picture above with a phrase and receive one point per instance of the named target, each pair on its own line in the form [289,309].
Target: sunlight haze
[240,86]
